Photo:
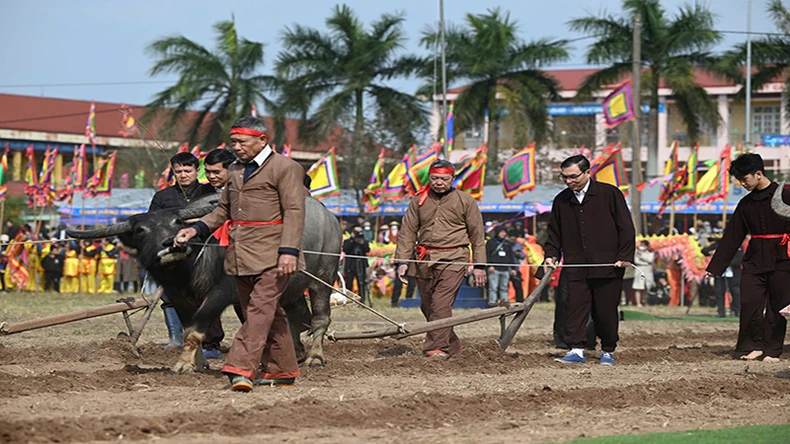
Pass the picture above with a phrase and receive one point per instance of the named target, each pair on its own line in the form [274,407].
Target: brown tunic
[275,191]
[754,215]
[452,220]
[599,230]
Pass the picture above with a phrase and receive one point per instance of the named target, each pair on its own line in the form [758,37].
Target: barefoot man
[766,266]
[438,227]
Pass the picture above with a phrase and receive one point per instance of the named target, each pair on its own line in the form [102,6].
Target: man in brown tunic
[590,224]
[260,218]
[766,266]
[437,229]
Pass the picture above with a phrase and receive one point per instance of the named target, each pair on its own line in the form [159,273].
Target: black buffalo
[195,281]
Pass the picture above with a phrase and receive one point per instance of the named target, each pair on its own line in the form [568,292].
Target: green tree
[673,47]
[222,85]
[771,54]
[339,79]
[502,73]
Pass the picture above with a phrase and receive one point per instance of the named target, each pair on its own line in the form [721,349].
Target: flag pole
[2,213]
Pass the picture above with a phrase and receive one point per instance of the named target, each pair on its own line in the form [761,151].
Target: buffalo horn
[192,213]
[777,204]
[112,230]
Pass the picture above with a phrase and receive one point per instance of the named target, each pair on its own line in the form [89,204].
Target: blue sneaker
[212,354]
[572,358]
[606,358]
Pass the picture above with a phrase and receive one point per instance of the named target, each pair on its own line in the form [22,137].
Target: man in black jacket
[590,225]
[356,267]
[730,280]
[53,268]
[187,187]
[499,251]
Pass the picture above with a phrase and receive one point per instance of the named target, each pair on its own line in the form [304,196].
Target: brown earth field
[82,382]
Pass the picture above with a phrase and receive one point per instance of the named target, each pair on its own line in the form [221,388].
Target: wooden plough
[123,306]
[507,331]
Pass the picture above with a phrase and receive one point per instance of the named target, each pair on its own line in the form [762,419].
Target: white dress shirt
[580,194]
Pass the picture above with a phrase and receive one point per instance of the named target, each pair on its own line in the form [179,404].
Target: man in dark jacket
[355,267]
[729,281]
[766,265]
[590,224]
[53,268]
[499,251]
[187,187]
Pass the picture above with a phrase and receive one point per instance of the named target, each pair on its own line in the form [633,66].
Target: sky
[90,42]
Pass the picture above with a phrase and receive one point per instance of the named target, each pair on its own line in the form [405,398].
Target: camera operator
[356,268]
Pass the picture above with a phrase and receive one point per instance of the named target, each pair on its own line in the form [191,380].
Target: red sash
[223,232]
[422,250]
[785,239]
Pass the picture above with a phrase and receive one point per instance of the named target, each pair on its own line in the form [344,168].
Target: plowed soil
[69,384]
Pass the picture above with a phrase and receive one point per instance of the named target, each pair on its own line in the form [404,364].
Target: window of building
[767,119]
[473,136]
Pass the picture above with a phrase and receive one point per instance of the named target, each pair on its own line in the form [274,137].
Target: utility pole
[749,75]
[636,143]
[444,82]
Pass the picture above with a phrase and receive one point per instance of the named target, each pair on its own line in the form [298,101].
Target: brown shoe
[241,384]
[437,354]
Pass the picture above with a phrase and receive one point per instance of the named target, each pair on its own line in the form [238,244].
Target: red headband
[442,170]
[247,132]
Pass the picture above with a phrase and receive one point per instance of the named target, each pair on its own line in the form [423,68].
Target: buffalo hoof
[191,361]
[315,361]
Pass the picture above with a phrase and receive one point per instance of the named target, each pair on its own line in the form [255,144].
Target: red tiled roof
[571,79]
[66,116]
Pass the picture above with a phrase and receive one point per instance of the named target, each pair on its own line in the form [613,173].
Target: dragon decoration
[693,262]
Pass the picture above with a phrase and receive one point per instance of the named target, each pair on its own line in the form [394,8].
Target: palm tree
[672,48]
[339,78]
[771,54]
[502,72]
[224,82]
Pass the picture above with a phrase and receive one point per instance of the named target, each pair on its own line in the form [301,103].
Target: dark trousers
[628,289]
[437,295]
[561,315]
[350,276]
[397,288]
[758,331]
[722,284]
[518,286]
[264,340]
[214,335]
[597,298]
[52,281]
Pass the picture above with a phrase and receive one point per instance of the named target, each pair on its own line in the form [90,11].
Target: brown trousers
[437,295]
[768,292]
[599,298]
[264,340]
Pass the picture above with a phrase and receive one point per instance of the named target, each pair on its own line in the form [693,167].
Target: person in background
[70,283]
[88,266]
[216,166]
[516,279]
[52,264]
[108,255]
[368,230]
[729,281]
[643,259]
[3,260]
[660,294]
[128,275]
[499,251]
[355,268]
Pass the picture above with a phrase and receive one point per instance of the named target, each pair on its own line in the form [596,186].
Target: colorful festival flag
[372,195]
[67,192]
[518,173]
[253,111]
[618,107]
[611,169]
[286,151]
[17,259]
[690,186]
[201,157]
[46,183]
[417,173]
[31,179]
[90,126]
[100,184]
[4,174]
[128,122]
[470,177]
[715,184]
[395,184]
[80,169]
[323,175]
[450,124]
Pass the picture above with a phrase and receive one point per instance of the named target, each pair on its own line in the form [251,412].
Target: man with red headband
[260,218]
[436,231]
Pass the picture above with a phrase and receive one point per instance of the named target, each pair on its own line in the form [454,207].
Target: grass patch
[631,315]
[739,435]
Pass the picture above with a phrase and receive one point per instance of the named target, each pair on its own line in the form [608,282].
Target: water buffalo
[196,283]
